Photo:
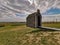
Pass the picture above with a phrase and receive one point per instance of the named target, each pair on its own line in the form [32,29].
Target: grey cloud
[10,7]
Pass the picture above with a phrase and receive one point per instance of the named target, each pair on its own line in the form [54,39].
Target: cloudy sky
[18,10]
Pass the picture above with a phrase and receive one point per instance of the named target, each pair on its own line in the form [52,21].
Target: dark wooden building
[34,20]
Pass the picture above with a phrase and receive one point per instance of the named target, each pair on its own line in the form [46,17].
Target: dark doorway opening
[38,21]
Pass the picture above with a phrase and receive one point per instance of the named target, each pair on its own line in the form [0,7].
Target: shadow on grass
[43,30]
[2,26]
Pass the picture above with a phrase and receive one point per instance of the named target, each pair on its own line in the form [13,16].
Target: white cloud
[50,18]
[8,8]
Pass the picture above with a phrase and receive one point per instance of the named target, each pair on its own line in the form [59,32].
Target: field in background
[46,24]
[2,24]
[19,34]
[51,24]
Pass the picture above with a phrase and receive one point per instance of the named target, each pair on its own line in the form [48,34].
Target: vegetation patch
[22,35]
[51,24]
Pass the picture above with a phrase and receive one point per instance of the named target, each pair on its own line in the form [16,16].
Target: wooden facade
[34,20]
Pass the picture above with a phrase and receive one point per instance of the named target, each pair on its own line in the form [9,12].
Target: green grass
[52,24]
[22,35]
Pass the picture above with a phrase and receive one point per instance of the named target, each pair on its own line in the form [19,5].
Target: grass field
[19,34]
[52,24]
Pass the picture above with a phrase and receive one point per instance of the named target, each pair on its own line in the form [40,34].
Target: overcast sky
[18,10]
